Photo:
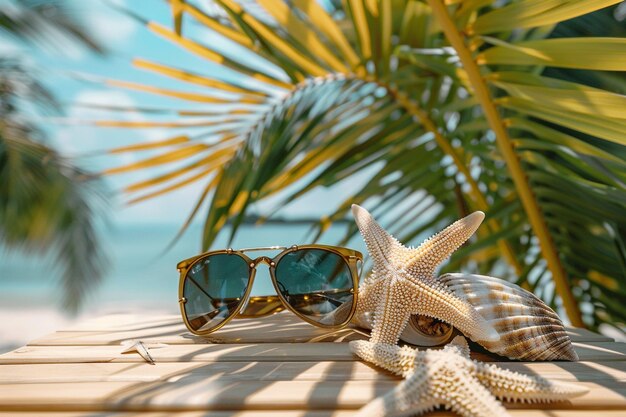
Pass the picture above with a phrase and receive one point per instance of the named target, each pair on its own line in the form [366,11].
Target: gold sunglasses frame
[350,256]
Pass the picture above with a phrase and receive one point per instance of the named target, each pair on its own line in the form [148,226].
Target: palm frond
[49,206]
[46,23]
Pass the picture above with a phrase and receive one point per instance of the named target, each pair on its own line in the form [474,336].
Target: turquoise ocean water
[140,273]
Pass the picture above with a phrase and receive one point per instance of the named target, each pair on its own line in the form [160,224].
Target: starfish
[141,348]
[403,281]
[449,378]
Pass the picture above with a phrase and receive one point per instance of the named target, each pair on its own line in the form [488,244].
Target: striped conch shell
[528,328]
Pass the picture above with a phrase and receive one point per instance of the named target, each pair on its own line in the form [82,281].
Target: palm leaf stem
[505,145]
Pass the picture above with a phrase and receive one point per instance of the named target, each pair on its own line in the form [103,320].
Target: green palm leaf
[49,206]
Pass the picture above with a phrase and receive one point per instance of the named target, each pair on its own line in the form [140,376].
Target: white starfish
[449,378]
[141,348]
[403,281]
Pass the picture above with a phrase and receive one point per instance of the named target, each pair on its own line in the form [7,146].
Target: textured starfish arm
[433,301]
[464,395]
[380,244]
[370,292]
[391,315]
[398,360]
[517,387]
[433,251]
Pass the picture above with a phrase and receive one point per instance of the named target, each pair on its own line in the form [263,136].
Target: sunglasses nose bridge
[262,260]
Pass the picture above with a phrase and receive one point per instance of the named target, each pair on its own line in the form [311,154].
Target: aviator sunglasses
[318,283]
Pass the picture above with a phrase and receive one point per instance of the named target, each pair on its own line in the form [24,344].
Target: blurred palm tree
[47,205]
[445,106]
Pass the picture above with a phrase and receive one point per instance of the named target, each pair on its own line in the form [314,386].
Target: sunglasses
[318,283]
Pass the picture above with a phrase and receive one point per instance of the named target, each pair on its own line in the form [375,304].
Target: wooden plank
[277,413]
[170,371]
[177,337]
[271,352]
[279,328]
[219,394]
[95,372]
[276,371]
[305,413]
[601,351]
[184,394]
[571,371]
[189,353]
[592,351]
[583,335]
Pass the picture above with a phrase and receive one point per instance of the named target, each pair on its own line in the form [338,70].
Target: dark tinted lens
[316,283]
[214,287]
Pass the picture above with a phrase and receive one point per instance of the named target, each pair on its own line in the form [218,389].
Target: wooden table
[251,368]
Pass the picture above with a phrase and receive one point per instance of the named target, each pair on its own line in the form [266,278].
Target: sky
[76,75]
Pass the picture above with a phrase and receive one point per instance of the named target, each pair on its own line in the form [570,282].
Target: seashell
[529,329]
[419,331]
